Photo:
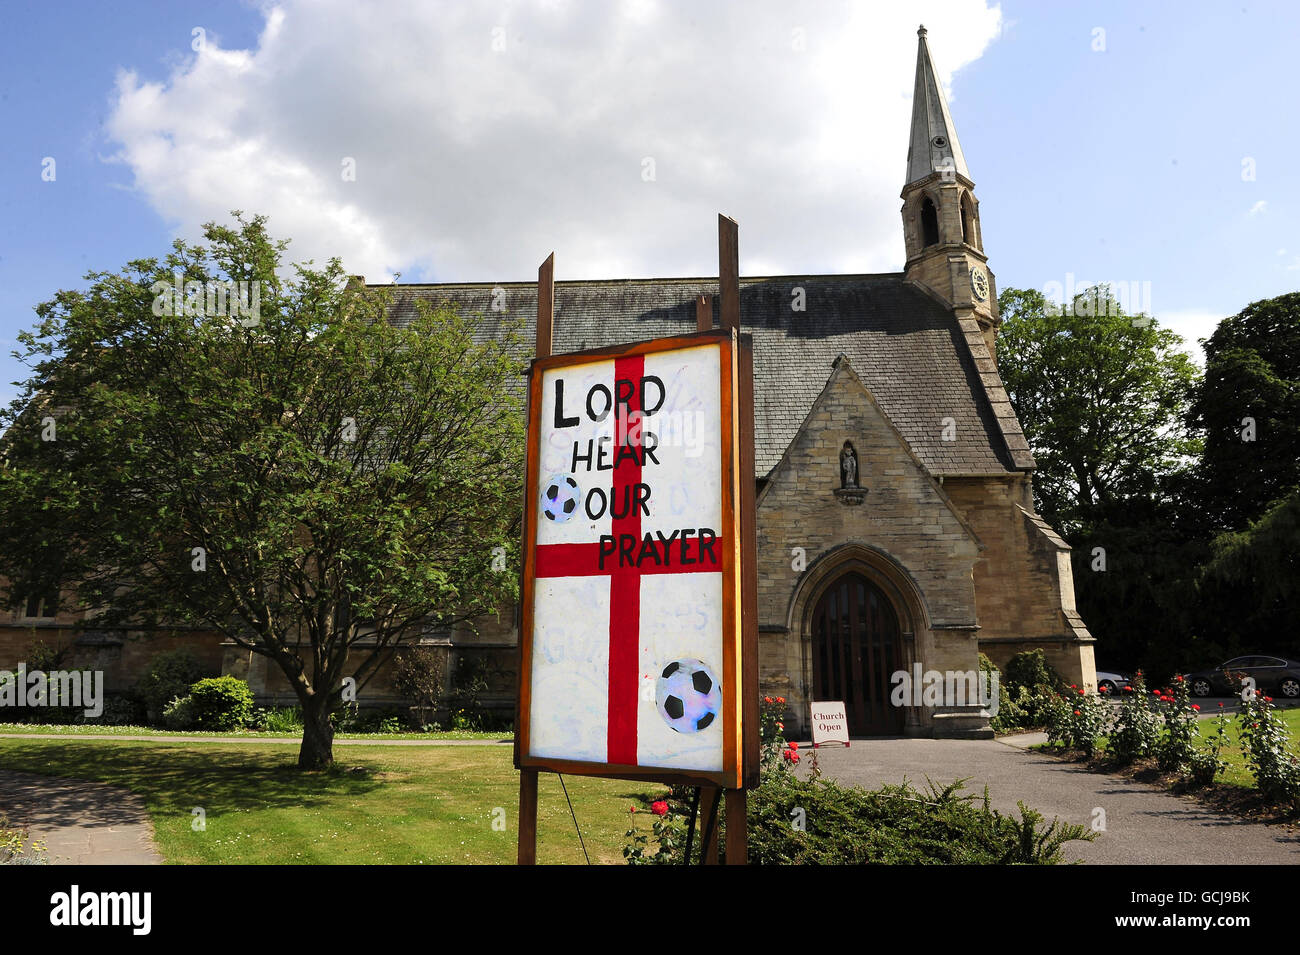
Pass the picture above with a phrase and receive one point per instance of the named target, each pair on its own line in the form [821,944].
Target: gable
[907,348]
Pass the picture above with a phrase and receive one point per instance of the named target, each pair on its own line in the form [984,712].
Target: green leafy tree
[305,476]
[1101,396]
[1249,588]
[1248,407]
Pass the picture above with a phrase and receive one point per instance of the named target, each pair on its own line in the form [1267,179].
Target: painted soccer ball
[688,696]
[560,498]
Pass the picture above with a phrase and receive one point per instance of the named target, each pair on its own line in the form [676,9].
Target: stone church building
[933,552]
[938,555]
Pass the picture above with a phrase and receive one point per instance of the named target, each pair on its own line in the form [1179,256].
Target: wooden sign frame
[745,613]
[731,775]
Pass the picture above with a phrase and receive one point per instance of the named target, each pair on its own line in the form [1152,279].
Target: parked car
[1279,676]
[1112,682]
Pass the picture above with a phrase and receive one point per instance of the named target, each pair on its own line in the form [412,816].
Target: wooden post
[749,565]
[729,271]
[527,817]
[737,849]
[737,827]
[545,305]
[703,313]
[528,777]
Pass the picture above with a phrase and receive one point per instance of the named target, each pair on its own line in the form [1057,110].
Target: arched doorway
[857,645]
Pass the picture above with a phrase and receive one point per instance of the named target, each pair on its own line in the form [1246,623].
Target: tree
[1248,407]
[272,458]
[1101,396]
[1249,586]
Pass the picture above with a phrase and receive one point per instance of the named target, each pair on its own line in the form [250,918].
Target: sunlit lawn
[94,729]
[415,804]
[1237,773]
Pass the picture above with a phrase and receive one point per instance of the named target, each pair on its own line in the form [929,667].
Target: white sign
[830,723]
[630,651]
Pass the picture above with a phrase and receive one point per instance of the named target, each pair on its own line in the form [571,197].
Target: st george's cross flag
[630,624]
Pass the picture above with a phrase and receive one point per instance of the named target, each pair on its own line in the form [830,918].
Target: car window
[1237,663]
[1271,662]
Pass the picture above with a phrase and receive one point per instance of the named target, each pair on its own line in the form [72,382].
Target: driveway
[1143,825]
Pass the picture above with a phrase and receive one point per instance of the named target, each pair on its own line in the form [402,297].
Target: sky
[1142,144]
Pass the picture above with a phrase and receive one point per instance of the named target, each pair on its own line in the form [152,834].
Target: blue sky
[485,135]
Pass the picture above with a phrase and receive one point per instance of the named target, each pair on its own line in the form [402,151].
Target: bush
[1077,719]
[222,703]
[895,825]
[1137,725]
[169,675]
[120,710]
[1264,740]
[1030,669]
[179,713]
[41,656]
[417,675]
[1176,748]
[1206,762]
[285,719]
[794,821]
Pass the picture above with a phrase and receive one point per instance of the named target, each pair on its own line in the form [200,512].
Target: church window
[929,223]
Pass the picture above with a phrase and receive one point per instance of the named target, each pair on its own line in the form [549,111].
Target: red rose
[780,699]
[659,808]
[1076,712]
[1220,705]
[1197,708]
[792,744]
[767,699]
[1103,689]
[1268,699]
[631,808]
[1178,678]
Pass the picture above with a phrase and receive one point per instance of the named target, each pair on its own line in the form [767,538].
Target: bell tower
[941,221]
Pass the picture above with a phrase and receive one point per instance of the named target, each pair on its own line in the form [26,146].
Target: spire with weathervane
[941,223]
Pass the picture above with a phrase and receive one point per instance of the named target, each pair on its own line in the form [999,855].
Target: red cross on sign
[630,630]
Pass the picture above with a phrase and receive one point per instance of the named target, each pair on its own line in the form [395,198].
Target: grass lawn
[92,729]
[1237,773]
[408,805]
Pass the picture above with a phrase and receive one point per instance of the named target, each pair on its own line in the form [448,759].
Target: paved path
[81,823]
[1144,825]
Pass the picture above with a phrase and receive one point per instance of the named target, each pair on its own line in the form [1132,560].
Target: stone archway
[902,619]
[856,646]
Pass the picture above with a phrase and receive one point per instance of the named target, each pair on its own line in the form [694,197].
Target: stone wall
[904,534]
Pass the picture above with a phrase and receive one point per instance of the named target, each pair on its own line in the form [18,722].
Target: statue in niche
[848,466]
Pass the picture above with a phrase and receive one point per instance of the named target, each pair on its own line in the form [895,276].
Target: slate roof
[904,345]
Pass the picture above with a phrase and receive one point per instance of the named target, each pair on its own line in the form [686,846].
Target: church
[895,518]
[931,553]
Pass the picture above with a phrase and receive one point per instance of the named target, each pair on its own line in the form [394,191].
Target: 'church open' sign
[630,630]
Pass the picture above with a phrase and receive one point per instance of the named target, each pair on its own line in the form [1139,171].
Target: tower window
[929,223]
[967,221]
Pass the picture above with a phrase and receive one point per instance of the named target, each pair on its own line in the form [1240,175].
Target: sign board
[830,723]
[630,631]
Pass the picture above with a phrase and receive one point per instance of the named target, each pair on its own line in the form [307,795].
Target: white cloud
[474,163]
[1192,325]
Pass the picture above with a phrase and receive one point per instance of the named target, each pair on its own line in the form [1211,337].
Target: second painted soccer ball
[688,696]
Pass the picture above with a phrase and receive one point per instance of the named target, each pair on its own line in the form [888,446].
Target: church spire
[933,146]
[941,219]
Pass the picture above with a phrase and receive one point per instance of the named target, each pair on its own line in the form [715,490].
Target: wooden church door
[857,644]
